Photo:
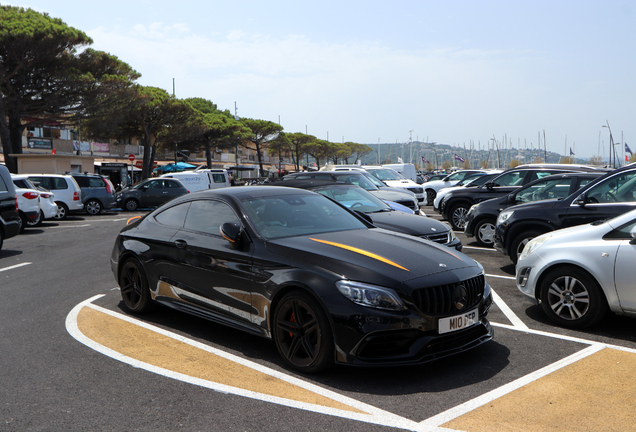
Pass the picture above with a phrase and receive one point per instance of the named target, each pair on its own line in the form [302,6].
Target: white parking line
[480,248]
[501,277]
[71,226]
[15,266]
[514,319]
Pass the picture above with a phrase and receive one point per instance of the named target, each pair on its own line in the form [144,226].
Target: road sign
[131,157]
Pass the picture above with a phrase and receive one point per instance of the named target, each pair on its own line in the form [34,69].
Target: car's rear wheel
[23,222]
[572,298]
[430,196]
[302,333]
[36,222]
[131,204]
[93,207]
[62,211]
[457,217]
[485,232]
[519,243]
[134,287]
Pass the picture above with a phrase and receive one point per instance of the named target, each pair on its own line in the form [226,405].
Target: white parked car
[392,178]
[68,195]
[432,187]
[28,205]
[48,208]
[579,273]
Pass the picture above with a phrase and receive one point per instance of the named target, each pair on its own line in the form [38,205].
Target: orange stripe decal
[360,251]
[128,222]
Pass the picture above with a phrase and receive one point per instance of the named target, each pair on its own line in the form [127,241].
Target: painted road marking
[554,397]
[514,319]
[480,248]
[501,277]
[69,226]
[128,340]
[15,266]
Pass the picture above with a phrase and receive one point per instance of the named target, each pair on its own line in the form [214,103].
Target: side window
[619,188]
[174,216]
[95,182]
[548,189]
[457,176]
[583,182]
[207,216]
[536,175]
[3,186]
[172,184]
[45,182]
[82,181]
[59,183]
[514,178]
[218,178]
[303,177]
[19,183]
[155,184]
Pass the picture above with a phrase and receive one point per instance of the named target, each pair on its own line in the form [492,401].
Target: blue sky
[452,72]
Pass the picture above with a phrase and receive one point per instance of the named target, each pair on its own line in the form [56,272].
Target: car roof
[311,184]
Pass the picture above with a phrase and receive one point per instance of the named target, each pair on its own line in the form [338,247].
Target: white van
[406,169]
[202,179]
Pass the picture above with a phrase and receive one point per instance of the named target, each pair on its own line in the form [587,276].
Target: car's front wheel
[430,196]
[131,204]
[457,217]
[93,207]
[572,298]
[485,233]
[134,287]
[302,333]
[519,243]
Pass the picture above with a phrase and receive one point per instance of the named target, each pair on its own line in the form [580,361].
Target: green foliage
[515,163]
[263,132]
[598,160]
[566,160]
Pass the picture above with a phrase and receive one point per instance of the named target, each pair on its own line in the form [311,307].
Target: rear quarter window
[3,186]
[218,178]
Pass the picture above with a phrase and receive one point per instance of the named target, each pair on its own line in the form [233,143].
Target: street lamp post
[612,150]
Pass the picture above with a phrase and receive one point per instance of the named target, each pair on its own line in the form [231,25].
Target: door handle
[181,244]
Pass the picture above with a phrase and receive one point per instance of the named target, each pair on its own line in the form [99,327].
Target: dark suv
[606,197]
[455,205]
[98,192]
[481,218]
[9,218]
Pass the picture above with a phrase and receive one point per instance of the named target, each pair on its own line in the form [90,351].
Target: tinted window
[20,183]
[155,184]
[208,216]
[81,181]
[557,188]
[45,182]
[358,180]
[174,216]
[58,183]
[355,199]
[514,178]
[536,175]
[302,177]
[96,182]
[173,184]
[3,186]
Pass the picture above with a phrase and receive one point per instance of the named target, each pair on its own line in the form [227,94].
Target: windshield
[469,179]
[385,174]
[355,199]
[356,179]
[298,215]
[374,180]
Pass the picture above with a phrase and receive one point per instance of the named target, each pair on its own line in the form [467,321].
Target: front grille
[441,238]
[410,204]
[417,190]
[441,299]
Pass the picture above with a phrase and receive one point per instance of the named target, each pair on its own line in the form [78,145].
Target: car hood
[390,195]
[374,256]
[407,223]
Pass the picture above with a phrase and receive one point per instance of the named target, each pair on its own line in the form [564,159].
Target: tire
[62,211]
[134,287]
[572,298]
[430,196]
[131,204]
[519,243]
[23,222]
[93,207]
[485,233]
[1,239]
[457,216]
[302,333]
[36,222]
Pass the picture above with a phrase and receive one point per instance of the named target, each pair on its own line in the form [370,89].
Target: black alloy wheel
[457,217]
[430,196]
[36,222]
[485,233]
[93,207]
[520,242]
[134,287]
[131,204]
[62,211]
[302,333]
[572,298]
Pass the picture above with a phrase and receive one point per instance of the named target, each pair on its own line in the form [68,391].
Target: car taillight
[45,195]
[30,195]
[108,189]
[76,196]
[16,202]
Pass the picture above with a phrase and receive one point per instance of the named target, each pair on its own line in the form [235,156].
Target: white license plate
[458,322]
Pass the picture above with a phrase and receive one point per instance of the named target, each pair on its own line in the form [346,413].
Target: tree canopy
[263,131]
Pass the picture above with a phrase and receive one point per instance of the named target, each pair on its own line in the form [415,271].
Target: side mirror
[232,233]
[489,185]
[580,200]
[512,198]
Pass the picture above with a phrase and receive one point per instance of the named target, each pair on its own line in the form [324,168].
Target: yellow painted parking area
[596,393]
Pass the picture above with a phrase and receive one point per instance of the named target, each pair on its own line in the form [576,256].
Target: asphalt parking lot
[75,361]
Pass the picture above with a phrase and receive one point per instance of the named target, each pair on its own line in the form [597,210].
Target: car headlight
[370,295]
[447,197]
[504,216]
[533,245]
[451,233]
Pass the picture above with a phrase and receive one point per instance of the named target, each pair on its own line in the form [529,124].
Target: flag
[459,158]
[424,160]
[626,158]
[571,152]
[400,160]
[627,149]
